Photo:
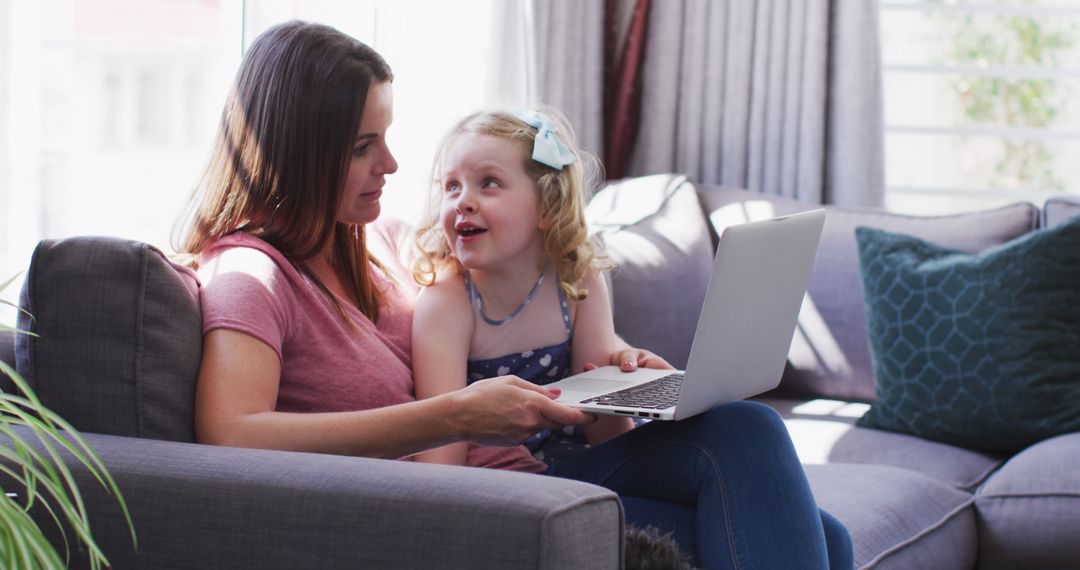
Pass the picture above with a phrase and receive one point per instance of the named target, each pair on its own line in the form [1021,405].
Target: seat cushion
[1029,511]
[824,432]
[898,519]
[977,350]
[654,231]
[119,337]
[829,355]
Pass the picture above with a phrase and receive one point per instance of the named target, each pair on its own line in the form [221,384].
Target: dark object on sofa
[648,549]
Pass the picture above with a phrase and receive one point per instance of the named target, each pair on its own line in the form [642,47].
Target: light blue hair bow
[547,148]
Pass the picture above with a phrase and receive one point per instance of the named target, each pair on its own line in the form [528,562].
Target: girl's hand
[507,410]
[629,359]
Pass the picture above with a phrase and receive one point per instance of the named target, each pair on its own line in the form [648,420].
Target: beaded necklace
[475,294]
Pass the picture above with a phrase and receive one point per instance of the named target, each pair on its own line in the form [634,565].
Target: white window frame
[1037,195]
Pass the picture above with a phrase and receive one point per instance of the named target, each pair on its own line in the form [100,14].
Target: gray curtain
[568,51]
[779,96]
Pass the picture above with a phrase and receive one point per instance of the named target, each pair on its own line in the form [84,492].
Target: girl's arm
[237,392]
[630,359]
[441,332]
[595,341]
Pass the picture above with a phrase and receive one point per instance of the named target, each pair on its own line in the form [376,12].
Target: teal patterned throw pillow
[979,350]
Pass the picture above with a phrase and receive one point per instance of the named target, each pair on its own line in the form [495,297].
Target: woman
[307,322]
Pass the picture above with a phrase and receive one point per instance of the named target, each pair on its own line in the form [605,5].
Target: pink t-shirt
[326,365]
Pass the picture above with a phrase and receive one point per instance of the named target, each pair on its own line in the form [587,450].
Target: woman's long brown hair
[282,153]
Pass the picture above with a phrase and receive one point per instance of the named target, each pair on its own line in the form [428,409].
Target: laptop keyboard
[658,394]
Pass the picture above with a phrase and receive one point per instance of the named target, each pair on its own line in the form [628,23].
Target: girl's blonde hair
[562,194]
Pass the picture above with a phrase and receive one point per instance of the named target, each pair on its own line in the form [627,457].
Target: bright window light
[980,105]
[108,108]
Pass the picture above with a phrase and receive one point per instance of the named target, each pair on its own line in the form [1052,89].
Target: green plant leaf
[46,479]
[10,280]
[18,330]
[64,498]
[28,543]
[31,499]
[85,454]
[20,309]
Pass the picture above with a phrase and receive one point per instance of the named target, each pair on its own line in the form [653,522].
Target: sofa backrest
[654,231]
[829,355]
[119,337]
[1059,209]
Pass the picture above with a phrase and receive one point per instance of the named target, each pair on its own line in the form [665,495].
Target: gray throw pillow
[119,337]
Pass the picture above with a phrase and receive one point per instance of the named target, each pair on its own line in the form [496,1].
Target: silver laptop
[747,322]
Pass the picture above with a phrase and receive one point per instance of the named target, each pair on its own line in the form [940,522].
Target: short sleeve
[243,289]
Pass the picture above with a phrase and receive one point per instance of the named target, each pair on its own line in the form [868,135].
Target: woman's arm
[595,341]
[237,392]
[441,332]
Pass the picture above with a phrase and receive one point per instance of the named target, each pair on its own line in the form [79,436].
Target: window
[100,136]
[979,109]
[440,64]
[108,108]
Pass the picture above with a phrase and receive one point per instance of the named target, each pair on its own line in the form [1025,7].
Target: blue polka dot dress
[541,366]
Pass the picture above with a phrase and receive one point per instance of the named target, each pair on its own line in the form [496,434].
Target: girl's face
[371,160]
[490,208]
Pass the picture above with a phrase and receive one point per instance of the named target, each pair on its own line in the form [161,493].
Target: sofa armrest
[201,506]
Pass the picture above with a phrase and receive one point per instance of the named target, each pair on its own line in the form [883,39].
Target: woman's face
[371,160]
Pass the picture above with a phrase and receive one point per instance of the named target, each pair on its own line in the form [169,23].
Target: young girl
[513,280]
[513,287]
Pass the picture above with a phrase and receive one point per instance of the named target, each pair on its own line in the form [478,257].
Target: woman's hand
[507,410]
[629,359]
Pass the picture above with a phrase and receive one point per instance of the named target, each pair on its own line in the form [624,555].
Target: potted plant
[31,458]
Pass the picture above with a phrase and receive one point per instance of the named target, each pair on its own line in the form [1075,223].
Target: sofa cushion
[120,337]
[976,350]
[829,355]
[1057,210]
[655,232]
[824,432]
[1029,511]
[898,519]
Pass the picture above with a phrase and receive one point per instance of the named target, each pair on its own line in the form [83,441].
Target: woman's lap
[734,470]
[680,522]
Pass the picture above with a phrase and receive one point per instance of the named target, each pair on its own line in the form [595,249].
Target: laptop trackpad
[592,386]
[584,388]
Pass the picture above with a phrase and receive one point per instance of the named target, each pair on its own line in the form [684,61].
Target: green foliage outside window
[1016,42]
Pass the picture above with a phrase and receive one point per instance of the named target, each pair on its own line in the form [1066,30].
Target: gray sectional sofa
[908,502]
[118,353]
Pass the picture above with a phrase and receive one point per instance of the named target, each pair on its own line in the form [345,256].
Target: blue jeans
[726,483]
